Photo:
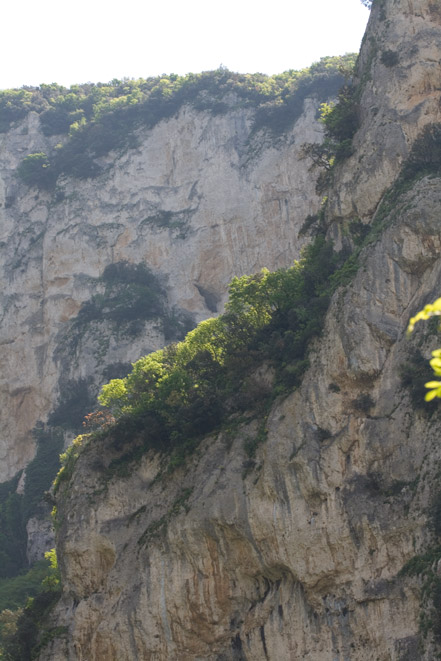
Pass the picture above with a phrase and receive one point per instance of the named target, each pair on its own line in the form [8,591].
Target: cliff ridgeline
[269,486]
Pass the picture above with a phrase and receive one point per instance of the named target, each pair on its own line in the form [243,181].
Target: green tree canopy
[93,119]
[430,310]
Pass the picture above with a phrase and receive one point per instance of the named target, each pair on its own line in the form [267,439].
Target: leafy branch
[429,311]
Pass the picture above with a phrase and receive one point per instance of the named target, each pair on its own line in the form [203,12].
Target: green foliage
[347,272]
[52,581]
[175,396]
[415,373]
[12,530]
[15,591]
[418,164]
[430,311]
[425,566]
[36,170]
[25,601]
[68,460]
[14,105]
[341,123]
[319,153]
[99,118]
[32,632]
[341,119]
[322,80]
[421,564]
[308,224]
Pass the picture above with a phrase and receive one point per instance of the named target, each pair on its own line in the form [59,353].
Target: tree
[430,310]
[35,170]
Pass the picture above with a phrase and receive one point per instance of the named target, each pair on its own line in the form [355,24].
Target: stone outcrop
[297,553]
[399,78]
[300,556]
[198,201]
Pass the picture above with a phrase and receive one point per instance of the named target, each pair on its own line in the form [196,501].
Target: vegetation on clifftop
[93,119]
[175,396]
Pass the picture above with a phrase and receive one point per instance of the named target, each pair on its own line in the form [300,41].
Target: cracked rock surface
[297,554]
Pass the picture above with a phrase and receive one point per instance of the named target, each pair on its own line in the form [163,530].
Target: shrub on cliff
[340,122]
[25,602]
[430,310]
[341,119]
[187,389]
[14,105]
[36,170]
[99,118]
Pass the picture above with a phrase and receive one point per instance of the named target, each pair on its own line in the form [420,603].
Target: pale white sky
[97,40]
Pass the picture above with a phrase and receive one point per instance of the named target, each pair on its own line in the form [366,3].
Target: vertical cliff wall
[199,200]
[309,550]
[398,79]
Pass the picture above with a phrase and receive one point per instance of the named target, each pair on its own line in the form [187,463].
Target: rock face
[40,538]
[198,201]
[301,557]
[398,71]
[296,555]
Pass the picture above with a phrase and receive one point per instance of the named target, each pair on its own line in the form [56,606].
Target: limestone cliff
[301,557]
[398,76]
[198,201]
[296,555]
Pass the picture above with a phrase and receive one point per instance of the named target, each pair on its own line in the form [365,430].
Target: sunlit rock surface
[199,201]
[296,554]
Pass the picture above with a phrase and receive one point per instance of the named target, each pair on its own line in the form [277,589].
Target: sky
[96,40]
